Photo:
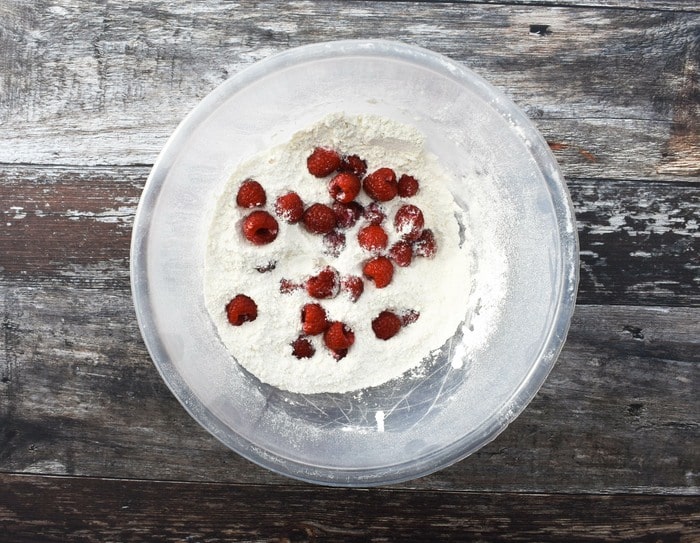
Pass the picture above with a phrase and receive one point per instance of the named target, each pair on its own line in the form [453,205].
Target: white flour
[438,288]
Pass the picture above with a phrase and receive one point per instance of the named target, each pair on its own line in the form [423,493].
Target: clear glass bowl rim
[458,450]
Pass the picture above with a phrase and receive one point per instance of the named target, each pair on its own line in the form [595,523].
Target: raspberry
[287,286]
[347,214]
[409,222]
[241,309]
[374,213]
[313,319]
[334,243]
[260,228]
[344,187]
[409,316]
[353,164]
[302,348]
[324,285]
[323,162]
[319,219]
[339,338]
[289,207]
[372,238]
[381,185]
[354,286]
[386,325]
[425,245]
[408,186]
[251,194]
[401,253]
[380,270]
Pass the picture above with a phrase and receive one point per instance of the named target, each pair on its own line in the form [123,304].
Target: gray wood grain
[70,509]
[80,396]
[646,5]
[677,6]
[94,447]
[615,90]
[626,231]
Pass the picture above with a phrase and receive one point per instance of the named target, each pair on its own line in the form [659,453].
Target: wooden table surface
[94,447]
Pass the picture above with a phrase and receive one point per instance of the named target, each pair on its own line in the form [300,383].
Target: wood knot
[635,331]
[635,409]
[540,30]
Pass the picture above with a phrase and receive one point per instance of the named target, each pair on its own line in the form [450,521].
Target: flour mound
[437,288]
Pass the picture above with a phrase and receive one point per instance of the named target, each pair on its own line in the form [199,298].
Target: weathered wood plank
[646,5]
[75,223]
[87,83]
[70,509]
[677,6]
[79,395]
[640,241]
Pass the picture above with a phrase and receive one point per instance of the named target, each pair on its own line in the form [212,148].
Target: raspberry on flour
[350,269]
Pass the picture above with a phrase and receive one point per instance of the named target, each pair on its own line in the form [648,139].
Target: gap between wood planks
[139,171]
[286,484]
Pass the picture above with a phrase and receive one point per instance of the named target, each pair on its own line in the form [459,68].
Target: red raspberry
[401,253]
[323,162]
[372,238]
[374,213]
[381,185]
[354,286]
[408,186]
[344,187]
[409,222]
[409,316]
[386,325]
[313,319]
[287,286]
[324,285]
[380,270]
[241,309]
[347,214]
[425,245]
[339,338]
[251,194]
[353,164]
[319,219]
[302,348]
[334,243]
[260,228]
[289,207]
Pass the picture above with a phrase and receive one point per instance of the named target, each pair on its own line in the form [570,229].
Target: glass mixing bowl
[408,427]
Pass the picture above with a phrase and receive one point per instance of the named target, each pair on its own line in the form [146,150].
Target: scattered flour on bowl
[438,288]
